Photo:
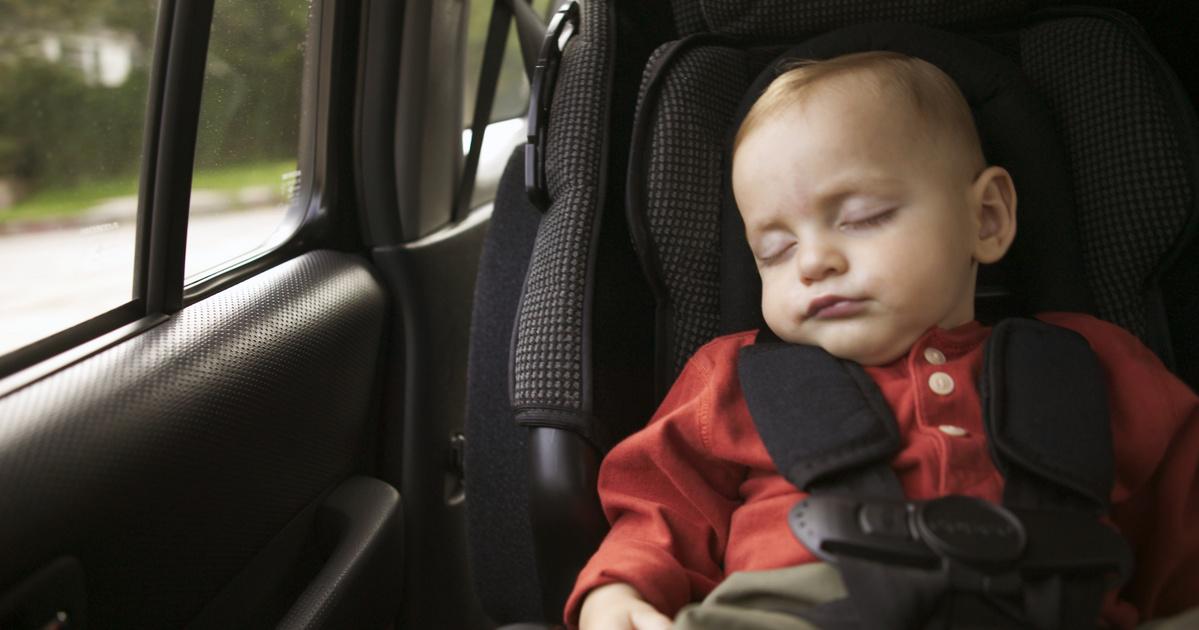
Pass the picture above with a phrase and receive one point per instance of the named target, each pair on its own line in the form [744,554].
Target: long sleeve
[1155,501]
[669,496]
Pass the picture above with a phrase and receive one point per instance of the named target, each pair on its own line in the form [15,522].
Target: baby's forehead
[859,93]
[847,107]
[859,102]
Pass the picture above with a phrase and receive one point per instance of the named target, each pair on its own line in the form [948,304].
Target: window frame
[309,221]
[178,64]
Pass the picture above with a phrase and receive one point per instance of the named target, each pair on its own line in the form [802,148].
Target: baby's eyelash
[872,221]
[767,260]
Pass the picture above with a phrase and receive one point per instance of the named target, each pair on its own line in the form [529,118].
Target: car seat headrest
[798,20]
[1041,270]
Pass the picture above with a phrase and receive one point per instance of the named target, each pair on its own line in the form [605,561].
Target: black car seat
[573,345]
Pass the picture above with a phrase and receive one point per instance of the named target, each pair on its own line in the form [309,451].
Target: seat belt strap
[820,417]
[823,423]
[1045,410]
[530,30]
[489,75]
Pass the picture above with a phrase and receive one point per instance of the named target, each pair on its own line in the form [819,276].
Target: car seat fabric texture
[551,344]
[677,165]
[1125,127]
[785,19]
[1126,159]
[530,338]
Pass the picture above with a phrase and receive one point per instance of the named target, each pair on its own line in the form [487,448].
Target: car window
[507,128]
[512,89]
[73,85]
[246,169]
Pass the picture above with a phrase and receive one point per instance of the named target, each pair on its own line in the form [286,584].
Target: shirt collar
[954,342]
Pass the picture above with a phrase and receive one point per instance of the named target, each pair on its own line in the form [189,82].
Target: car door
[262,430]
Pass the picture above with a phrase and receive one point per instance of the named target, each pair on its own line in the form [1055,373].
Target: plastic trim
[564,510]
[363,520]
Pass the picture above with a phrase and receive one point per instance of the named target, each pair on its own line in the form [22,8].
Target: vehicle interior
[502,231]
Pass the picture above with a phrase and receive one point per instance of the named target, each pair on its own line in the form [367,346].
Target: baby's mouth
[832,306]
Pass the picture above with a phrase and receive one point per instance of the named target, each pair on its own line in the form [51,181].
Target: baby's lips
[834,306]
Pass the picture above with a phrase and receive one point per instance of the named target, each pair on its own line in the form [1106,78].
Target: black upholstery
[500,541]
[783,19]
[572,279]
[1129,136]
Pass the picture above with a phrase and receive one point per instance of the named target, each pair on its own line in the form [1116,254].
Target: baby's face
[863,231]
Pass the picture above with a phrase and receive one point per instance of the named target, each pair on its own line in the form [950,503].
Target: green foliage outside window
[57,130]
[63,125]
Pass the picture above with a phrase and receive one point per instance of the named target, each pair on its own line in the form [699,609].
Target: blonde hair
[933,98]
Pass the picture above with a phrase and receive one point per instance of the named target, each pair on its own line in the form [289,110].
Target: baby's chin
[868,356]
[861,351]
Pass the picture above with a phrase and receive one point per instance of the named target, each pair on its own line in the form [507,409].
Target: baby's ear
[993,197]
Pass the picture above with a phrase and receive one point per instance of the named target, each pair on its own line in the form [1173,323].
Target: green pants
[762,600]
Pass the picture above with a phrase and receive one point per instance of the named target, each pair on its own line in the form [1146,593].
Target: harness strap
[831,433]
[1045,409]
[787,386]
[1043,400]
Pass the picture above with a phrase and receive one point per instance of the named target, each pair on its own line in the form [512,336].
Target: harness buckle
[978,545]
[971,530]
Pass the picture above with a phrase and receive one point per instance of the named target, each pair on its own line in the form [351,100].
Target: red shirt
[695,496]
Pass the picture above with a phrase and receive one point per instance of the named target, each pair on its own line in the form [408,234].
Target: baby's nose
[819,260]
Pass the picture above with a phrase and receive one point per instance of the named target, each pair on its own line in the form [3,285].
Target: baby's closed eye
[867,220]
[772,247]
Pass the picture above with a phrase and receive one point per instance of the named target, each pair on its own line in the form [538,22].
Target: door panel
[166,463]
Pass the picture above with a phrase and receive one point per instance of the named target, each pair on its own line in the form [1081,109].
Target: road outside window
[73,82]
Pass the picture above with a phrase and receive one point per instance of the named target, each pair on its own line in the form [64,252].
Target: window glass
[512,89]
[507,129]
[247,144]
[73,82]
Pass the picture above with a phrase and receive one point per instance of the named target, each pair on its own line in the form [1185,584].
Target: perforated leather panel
[166,462]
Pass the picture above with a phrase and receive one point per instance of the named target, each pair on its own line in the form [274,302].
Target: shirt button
[934,356]
[941,383]
[949,429]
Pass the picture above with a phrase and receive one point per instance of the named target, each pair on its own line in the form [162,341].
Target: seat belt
[530,31]
[1041,560]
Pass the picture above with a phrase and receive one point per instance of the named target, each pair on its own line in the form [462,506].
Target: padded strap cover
[829,429]
[1044,407]
[1045,410]
[818,415]
[551,374]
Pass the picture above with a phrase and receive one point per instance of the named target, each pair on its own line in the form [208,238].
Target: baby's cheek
[779,313]
[782,328]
